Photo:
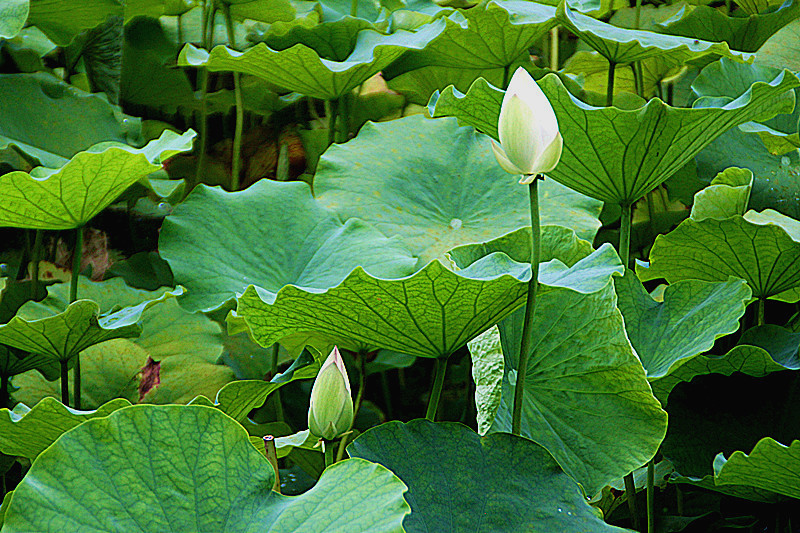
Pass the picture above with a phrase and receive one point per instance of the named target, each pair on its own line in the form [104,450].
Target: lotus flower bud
[530,143]
[330,414]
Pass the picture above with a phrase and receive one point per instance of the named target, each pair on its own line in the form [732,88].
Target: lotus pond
[399,265]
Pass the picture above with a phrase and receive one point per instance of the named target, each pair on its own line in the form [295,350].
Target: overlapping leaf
[692,315]
[619,155]
[440,188]
[429,314]
[215,250]
[586,399]
[500,482]
[13,14]
[203,471]
[300,68]
[770,466]
[621,46]
[72,195]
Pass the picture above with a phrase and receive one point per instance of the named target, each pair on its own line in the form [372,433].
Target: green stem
[329,452]
[353,8]
[651,496]
[630,497]
[554,48]
[344,118]
[637,14]
[436,391]
[625,235]
[35,257]
[638,78]
[387,394]
[77,255]
[610,84]
[4,399]
[236,164]
[24,259]
[64,383]
[506,70]
[530,309]
[762,305]
[679,500]
[207,40]
[330,110]
[362,381]
[276,395]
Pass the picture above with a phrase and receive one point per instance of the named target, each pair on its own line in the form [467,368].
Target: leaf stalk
[436,391]
[77,257]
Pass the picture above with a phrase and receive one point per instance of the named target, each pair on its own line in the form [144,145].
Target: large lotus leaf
[781,50]
[741,33]
[761,248]
[621,45]
[300,69]
[604,154]
[418,85]
[169,330]
[586,400]
[72,195]
[26,432]
[183,377]
[63,20]
[13,14]
[725,80]
[752,356]
[491,35]
[721,414]
[691,317]
[770,466]
[440,188]
[66,334]
[216,250]
[486,352]
[430,314]
[459,482]
[202,473]
[73,119]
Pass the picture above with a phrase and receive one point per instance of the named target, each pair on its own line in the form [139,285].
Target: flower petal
[500,155]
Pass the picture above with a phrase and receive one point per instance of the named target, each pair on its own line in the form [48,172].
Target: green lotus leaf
[739,491]
[727,196]
[429,314]
[741,33]
[73,119]
[491,35]
[28,431]
[752,7]
[201,470]
[13,15]
[487,372]
[13,362]
[183,377]
[725,80]
[300,68]
[65,335]
[721,414]
[622,46]
[204,238]
[780,50]
[761,351]
[440,188]
[500,482]
[63,20]
[691,317]
[72,195]
[587,399]
[604,156]
[761,248]
[770,466]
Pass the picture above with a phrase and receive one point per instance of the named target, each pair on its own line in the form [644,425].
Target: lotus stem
[630,497]
[362,381]
[77,256]
[554,48]
[276,395]
[207,40]
[353,8]
[35,256]
[651,496]
[328,446]
[625,235]
[530,309]
[610,84]
[506,70]
[272,456]
[436,391]
[331,106]
[24,259]
[64,383]
[387,395]
[236,163]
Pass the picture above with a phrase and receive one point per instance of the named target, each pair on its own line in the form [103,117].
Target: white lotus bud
[330,414]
